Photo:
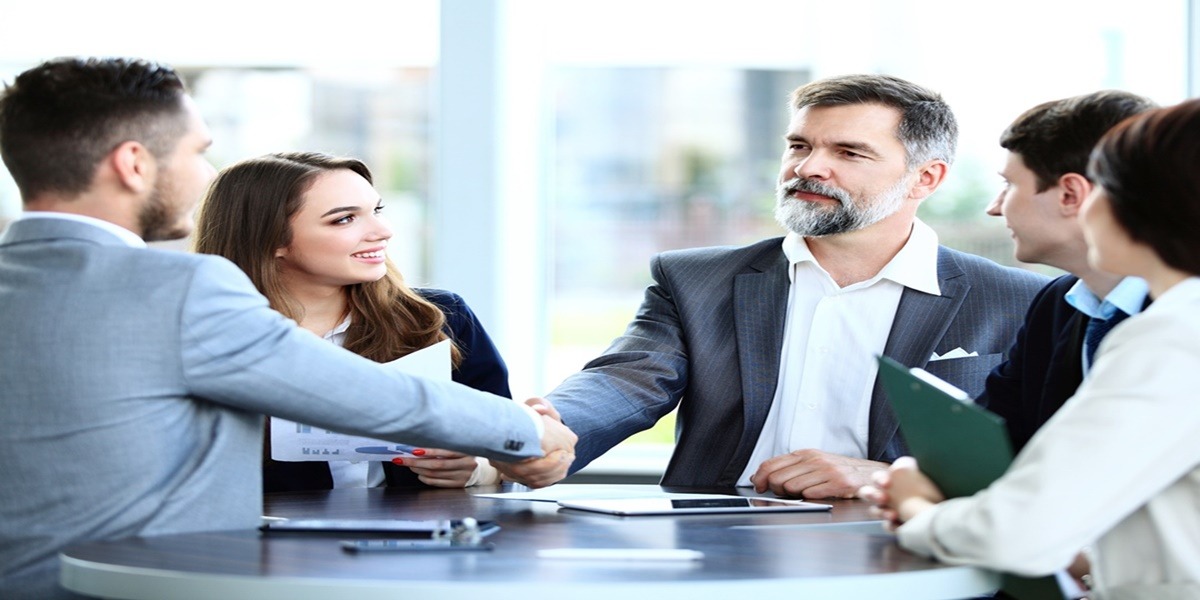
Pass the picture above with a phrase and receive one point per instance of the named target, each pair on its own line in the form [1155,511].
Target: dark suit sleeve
[482,367]
[637,380]
[1024,388]
[1003,389]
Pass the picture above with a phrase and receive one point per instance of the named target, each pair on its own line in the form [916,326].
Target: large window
[534,154]
[668,126]
[380,115]
[355,81]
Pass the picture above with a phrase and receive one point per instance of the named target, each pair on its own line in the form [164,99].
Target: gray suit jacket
[132,384]
[710,332]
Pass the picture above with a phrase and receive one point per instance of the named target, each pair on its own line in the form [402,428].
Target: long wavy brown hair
[246,216]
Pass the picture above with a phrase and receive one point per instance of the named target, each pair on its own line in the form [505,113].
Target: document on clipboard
[958,444]
[961,446]
[291,441]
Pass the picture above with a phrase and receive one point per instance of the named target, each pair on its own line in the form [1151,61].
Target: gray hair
[927,128]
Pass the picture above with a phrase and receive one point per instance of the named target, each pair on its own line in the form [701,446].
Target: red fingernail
[397,461]
[419,452]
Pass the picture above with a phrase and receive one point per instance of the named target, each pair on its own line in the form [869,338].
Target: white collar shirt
[130,238]
[832,334]
[357,473]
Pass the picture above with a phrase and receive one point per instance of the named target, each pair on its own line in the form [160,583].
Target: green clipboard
[960,446]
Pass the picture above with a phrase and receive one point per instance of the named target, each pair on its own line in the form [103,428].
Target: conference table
[841,553]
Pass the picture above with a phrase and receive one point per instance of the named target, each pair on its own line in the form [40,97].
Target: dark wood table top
[825,554]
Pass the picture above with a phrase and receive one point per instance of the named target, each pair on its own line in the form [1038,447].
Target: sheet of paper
[291,441]
[590,491]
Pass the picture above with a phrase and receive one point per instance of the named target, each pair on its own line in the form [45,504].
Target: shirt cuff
[484,474]
[536,416]
[917,534]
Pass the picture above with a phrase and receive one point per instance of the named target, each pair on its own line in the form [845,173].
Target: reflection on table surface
[826,553]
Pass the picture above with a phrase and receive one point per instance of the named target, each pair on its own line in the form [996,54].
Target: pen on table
[634,554]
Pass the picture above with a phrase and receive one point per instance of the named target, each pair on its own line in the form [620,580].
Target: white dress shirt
[831,336]
[352,473]
[1117,468]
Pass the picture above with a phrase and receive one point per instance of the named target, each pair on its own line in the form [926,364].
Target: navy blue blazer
[482,368]
[1044,366]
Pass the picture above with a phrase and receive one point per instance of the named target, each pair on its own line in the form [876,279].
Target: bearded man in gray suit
[132,380]
[769,350]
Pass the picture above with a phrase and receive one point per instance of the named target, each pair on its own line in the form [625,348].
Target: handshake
[558,451]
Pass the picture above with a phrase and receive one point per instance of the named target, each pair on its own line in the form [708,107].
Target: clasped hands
[558,451]
[900,493]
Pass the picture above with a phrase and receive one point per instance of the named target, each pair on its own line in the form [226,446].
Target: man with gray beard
[815,221]
[769,350]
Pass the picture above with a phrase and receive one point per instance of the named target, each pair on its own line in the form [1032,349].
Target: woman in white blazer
[1116,472]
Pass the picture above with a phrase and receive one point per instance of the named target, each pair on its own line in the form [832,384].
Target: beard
[812,219]
[159,219]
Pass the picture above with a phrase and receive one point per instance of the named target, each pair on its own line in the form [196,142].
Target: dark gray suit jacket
[710,332]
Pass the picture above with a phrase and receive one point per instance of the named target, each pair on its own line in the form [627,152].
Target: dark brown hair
[1149,166]
[1055,138]
[246,216]
[59,119]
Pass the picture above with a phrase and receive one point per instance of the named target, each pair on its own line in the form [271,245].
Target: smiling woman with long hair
[306,228]
[1117,469]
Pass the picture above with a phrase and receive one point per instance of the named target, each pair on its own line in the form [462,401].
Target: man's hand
[814,474]
[544,407]
[558,451]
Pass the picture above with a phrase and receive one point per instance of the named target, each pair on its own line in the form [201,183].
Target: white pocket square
[955,353]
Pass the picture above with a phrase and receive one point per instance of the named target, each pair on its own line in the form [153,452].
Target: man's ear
[929,177]
[1073,190]
[134,166]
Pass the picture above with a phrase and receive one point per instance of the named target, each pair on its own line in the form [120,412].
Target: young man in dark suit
[1045,184]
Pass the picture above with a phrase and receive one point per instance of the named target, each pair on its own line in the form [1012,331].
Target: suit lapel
[920,323]
[759,310]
